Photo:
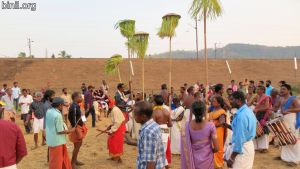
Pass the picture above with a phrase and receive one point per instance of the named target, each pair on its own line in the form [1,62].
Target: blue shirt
[243,128]
[54,125]
[268,90]
[150,146]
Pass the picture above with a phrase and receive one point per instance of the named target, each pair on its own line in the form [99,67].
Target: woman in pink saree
[198,141]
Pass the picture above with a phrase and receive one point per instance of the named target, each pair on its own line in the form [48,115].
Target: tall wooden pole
[170,73]
[143,78]
[129,63]
[206,59]
[197,46]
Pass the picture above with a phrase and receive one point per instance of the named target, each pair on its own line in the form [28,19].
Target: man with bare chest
[290,108]
[162,117]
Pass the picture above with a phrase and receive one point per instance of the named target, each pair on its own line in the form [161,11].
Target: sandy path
[94,154]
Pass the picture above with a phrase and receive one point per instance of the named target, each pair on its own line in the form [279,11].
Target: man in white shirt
[16,91]
[25,101]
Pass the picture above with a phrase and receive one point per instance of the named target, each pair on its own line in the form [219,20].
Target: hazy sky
[86,28]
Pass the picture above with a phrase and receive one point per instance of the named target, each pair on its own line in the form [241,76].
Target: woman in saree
[198,140]
[218,117]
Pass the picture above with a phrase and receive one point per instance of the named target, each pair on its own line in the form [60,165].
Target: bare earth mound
[70,73]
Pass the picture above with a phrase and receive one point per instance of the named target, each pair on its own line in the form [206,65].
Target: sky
[86,28]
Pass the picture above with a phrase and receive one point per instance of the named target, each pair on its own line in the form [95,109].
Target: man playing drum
[262,111]
[290,107]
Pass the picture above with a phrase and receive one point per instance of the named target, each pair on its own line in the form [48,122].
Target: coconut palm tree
[167,30]
[112,65]
[127,29]
[206,9]
[140,45]
[63,54]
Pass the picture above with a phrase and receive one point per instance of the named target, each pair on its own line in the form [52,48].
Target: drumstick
[77,122]
[101,132]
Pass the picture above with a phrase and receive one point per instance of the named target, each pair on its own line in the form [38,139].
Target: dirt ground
[58,73]
[94,154]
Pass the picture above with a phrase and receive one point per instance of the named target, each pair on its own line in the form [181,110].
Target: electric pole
[46,53]
[29,46]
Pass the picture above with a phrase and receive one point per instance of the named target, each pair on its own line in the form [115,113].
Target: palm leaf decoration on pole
[140,44]
[112,65]
[127,29]
[168,26]
[206,9]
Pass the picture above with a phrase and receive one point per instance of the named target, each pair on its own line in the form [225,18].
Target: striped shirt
[150,146]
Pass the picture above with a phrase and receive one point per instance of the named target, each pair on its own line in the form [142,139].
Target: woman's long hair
[198,109]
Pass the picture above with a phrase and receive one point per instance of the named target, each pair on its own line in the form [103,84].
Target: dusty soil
[94,153]
[59,73]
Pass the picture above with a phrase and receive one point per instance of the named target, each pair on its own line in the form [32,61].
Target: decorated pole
[141,44]
[169,23]
[296,68]
[229,69]
[127,29]
[112,65]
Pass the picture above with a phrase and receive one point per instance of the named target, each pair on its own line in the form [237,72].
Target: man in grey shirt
[9,109]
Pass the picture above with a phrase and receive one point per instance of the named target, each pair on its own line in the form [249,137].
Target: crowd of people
[208,127]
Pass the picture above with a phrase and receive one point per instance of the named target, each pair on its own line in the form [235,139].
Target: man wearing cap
[56,131]
[88,104]
[13,147]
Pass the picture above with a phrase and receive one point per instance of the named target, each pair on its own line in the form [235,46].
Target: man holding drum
[262,111]
[290,107]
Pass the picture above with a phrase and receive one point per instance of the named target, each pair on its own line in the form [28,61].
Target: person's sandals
[291,164]
[34,147]
[79,163]
[263,151]
[277,158]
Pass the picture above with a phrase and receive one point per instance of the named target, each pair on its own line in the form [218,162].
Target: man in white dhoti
[176,116]
[262,110]
[240,154]
[161,115]
[289,106]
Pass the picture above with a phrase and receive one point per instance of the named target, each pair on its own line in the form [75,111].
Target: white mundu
[291,153]
[175,130]
[242,161]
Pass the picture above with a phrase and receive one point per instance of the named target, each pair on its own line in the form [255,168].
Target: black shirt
[75,115]
[37,107]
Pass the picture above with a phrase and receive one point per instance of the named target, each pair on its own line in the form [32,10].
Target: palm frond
[111,65]
[140,42]
[127,27]
[168,26]
[212,8]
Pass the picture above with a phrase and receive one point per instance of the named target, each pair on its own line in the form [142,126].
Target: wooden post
[170,73]
[143,78]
